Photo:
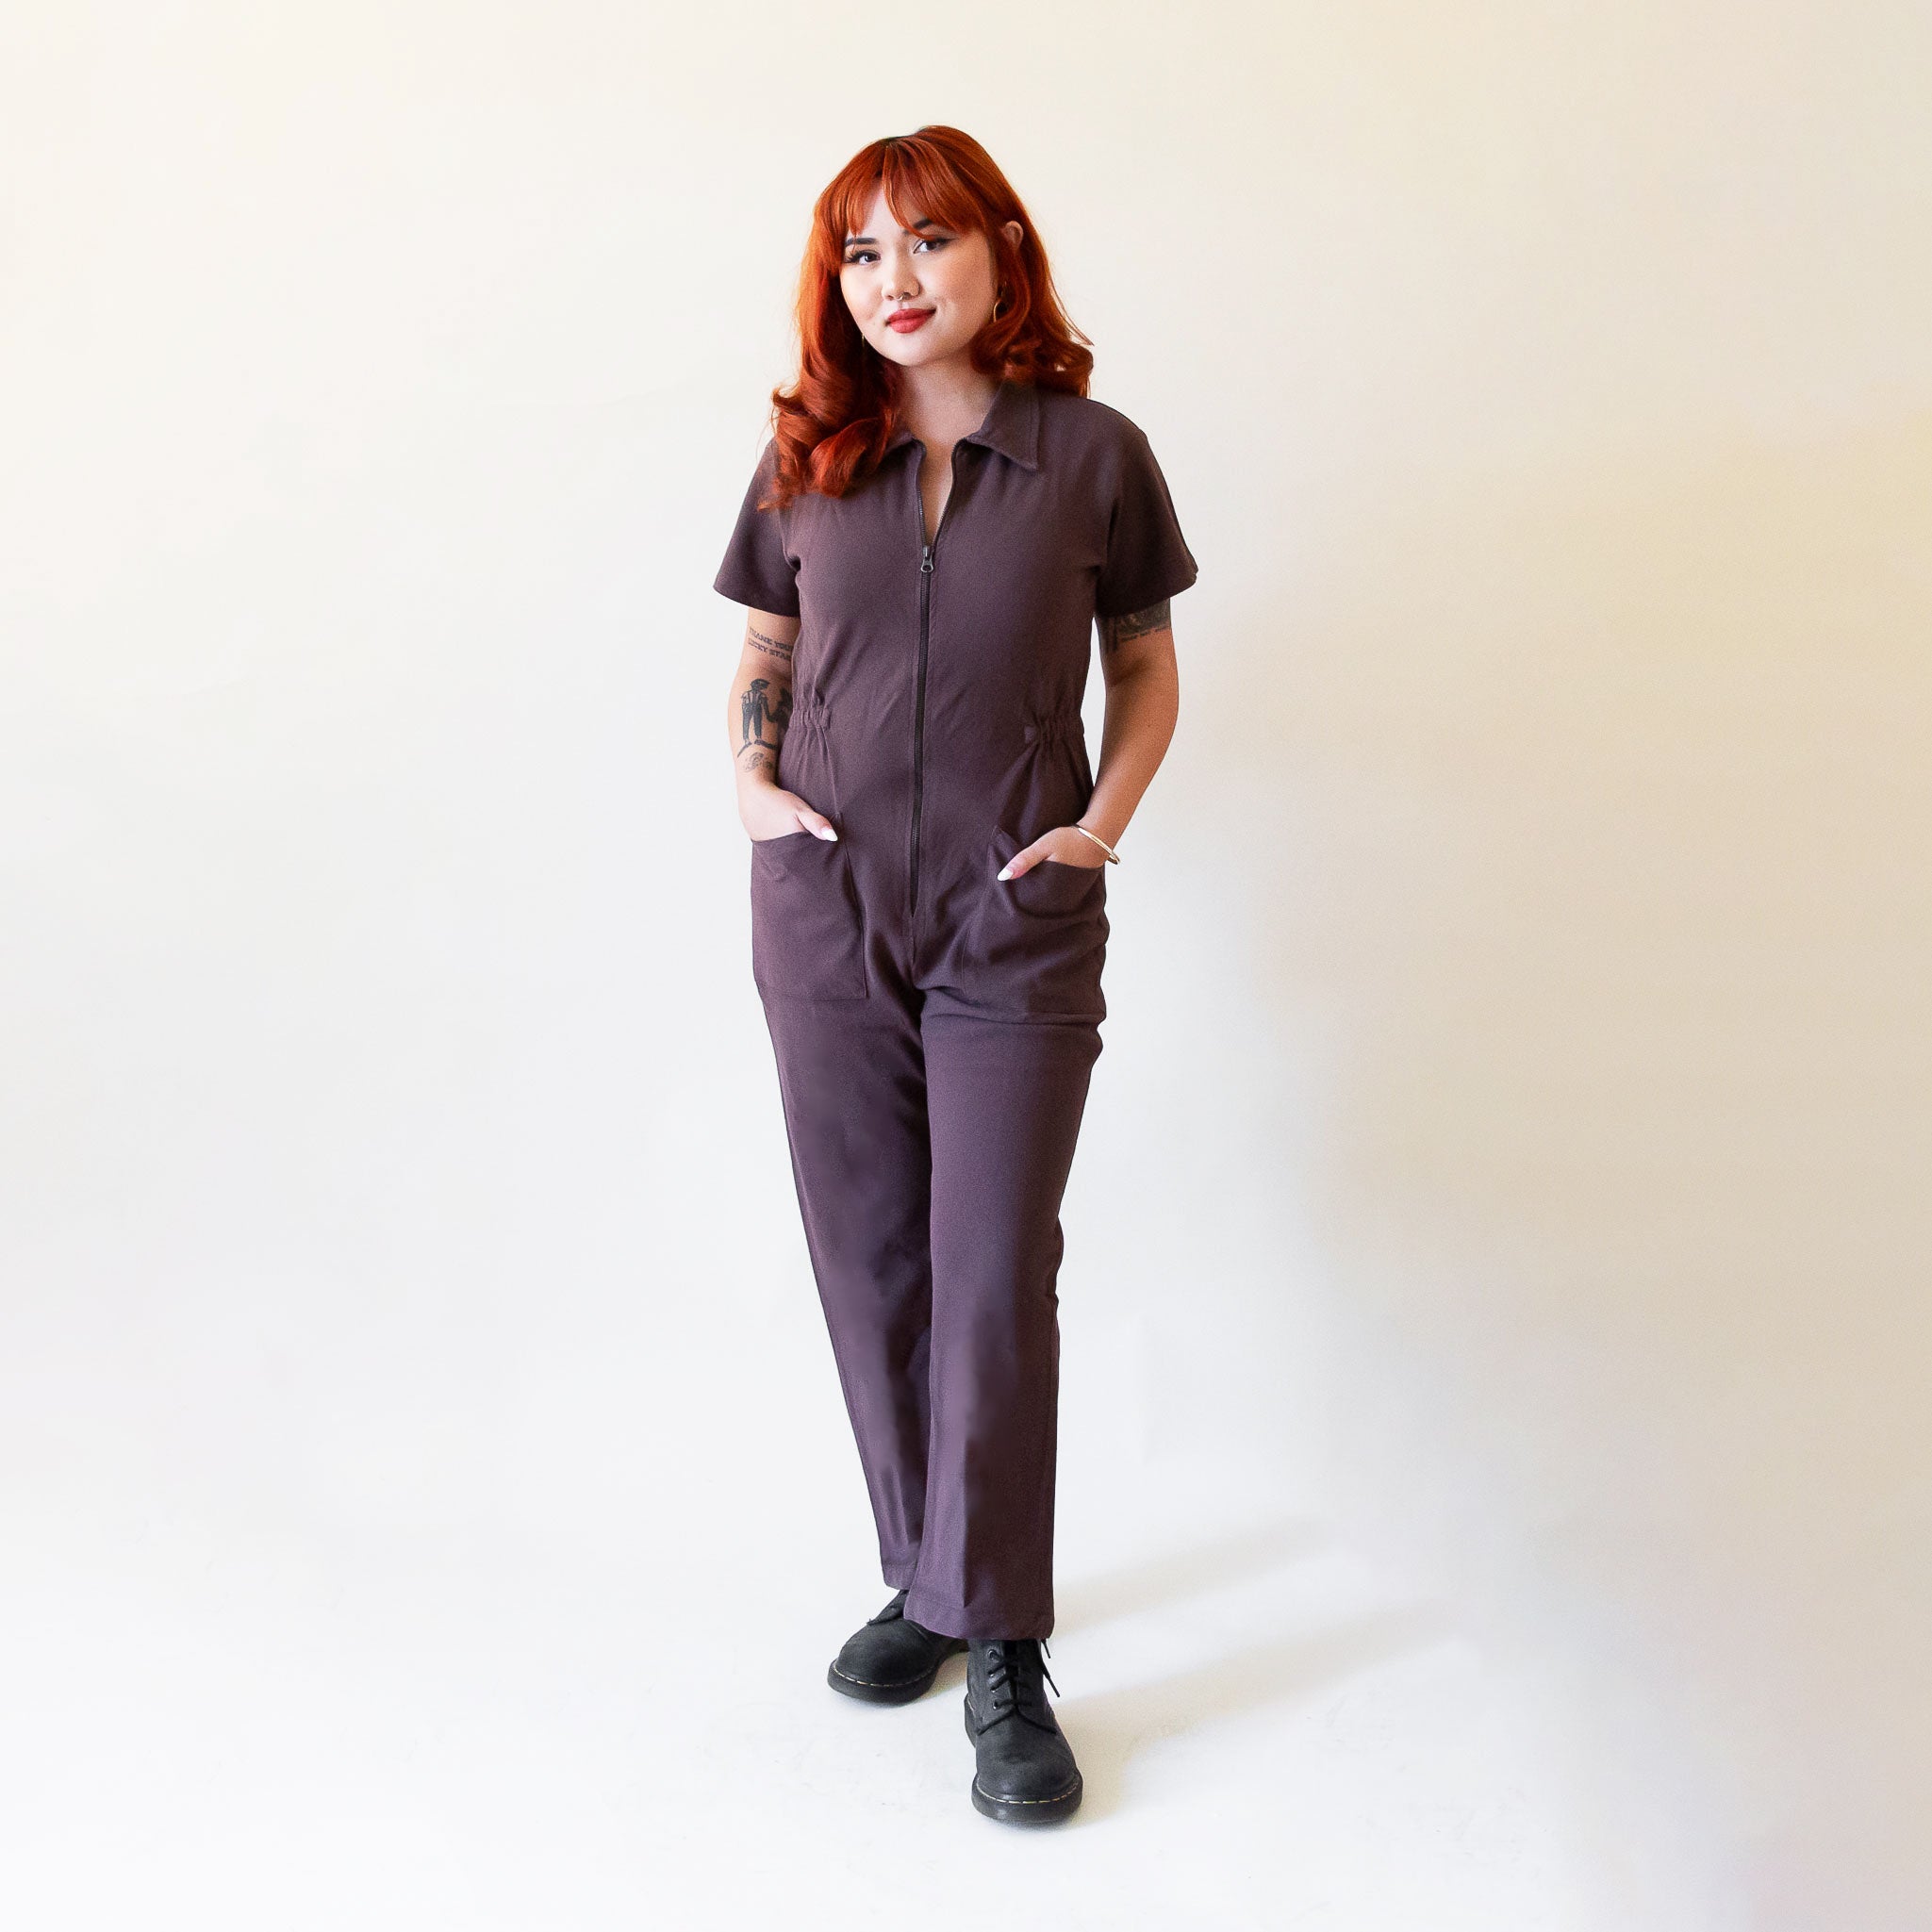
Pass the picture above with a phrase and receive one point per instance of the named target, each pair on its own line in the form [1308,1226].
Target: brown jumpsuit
[934,1027]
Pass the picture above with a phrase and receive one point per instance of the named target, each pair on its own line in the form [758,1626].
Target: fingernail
[826,832]
[1004,872]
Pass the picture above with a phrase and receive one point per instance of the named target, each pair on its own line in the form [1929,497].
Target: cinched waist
[1053,725]
[811,712]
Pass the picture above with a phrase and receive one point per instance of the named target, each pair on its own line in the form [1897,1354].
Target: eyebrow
[924,221]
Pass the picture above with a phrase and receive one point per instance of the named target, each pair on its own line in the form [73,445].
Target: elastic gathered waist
[1055,724]
[810,710]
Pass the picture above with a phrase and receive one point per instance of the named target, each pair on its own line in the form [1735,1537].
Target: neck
[945,401]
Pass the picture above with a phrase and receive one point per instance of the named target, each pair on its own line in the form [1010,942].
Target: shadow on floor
[1234,1558]
[1107,1729]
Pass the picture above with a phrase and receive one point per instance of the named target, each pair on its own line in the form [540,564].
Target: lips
[906,320]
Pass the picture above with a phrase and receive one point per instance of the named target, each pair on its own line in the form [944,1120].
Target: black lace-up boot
[891,1659]
[1026,1772]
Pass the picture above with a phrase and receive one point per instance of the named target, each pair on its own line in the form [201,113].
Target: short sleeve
[757,570]
[1147,558]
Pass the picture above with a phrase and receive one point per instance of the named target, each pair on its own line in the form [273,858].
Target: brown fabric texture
[934,1027]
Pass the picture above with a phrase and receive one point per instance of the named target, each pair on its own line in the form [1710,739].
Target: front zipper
[926,551]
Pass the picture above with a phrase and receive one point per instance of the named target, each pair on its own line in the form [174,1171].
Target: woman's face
[938,280]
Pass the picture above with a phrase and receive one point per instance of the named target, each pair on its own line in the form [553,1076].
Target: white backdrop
[1494,1451]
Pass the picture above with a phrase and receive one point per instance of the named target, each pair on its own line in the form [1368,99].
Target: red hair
[832,425]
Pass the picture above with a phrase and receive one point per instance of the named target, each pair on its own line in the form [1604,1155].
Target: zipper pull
[926,562]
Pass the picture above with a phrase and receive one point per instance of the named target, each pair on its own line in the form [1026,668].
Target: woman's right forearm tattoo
[764,709]
[769,646]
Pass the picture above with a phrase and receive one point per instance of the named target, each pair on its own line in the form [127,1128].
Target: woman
[928,537]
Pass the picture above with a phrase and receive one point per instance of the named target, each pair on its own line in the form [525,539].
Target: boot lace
[1014,1667]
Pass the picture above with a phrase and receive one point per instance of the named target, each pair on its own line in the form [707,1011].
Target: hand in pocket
[1063,846]
[767,812]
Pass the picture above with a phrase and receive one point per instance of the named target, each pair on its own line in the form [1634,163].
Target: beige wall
[1511,1147]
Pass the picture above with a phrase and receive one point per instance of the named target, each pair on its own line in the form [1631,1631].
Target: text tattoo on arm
[766,645]
[1123,630]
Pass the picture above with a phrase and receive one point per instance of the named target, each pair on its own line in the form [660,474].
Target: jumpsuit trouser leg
[931,1151]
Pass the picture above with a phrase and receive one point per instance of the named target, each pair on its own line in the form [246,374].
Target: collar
[1011,426]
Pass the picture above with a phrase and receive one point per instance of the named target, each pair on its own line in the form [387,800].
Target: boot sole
[1026,1810]
[889,1694]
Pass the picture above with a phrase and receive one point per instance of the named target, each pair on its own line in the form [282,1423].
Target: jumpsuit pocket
[1039,942]
[807,929]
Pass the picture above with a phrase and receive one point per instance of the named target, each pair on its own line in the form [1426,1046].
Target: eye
[928,241]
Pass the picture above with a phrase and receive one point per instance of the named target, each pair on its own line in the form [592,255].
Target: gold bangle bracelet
[1113,857]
